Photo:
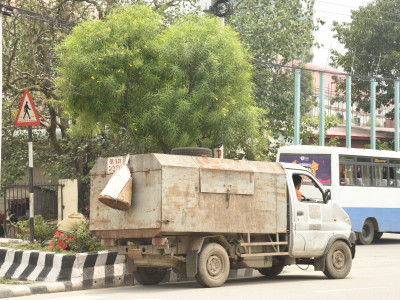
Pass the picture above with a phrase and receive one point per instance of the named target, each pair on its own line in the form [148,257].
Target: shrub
[83,240]
[42,232]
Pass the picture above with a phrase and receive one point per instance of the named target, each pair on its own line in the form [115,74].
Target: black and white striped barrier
[56,272]
[84,270]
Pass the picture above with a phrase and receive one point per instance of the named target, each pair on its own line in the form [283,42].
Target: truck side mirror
[327,195]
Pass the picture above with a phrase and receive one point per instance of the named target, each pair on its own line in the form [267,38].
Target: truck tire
[150,276]
[366,236]
[271,272]
[192,151]
[213,265]
[338,261]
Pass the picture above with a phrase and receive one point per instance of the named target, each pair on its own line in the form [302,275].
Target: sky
[329,11]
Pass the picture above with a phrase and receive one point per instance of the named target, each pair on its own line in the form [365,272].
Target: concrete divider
[103,268]
[57,272]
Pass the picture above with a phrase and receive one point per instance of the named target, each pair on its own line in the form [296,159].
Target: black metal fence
[16,203]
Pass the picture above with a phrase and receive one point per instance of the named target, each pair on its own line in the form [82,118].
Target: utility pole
[1,87]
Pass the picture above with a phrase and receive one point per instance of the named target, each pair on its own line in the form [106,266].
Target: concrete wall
[69,198]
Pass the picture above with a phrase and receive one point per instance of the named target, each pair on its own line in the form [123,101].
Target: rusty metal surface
[162,261]
[126,233]
[134,253]
[222,164]
[145,211]
[168,196]
[226,181]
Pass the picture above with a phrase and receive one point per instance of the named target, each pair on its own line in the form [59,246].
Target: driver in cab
[297,185]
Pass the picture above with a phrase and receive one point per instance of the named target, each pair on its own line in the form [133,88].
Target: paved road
[375,275]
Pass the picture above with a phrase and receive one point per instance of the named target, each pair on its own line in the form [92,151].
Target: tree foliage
[277,32]
[185,85]
[371,41]
[30,35]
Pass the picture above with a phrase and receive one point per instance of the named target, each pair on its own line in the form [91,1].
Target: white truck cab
[316,221]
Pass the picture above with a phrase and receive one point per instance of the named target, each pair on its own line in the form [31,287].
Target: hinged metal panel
[226,181]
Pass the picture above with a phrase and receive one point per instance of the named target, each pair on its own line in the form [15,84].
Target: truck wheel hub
[214,265]
[339,259]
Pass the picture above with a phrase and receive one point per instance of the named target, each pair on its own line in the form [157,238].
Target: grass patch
[34,246]
[12,281]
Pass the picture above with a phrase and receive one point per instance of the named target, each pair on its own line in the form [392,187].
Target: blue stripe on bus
[388,219]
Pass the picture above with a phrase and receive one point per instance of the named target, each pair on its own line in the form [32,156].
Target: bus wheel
[150,276]
[377,236]
[366,236]
[213,266]
[338,261]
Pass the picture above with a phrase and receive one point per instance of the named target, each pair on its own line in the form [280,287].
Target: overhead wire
[382,57]
[356,8]
[336,73]
[362,18]
[58,21]
[386,57]
[11,10]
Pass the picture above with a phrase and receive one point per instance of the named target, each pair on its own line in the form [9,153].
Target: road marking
[356,289]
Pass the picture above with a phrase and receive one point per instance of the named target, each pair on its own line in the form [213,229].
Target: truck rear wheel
[271,272]
[213,266]
[150,276]
[338,261]
[366,236]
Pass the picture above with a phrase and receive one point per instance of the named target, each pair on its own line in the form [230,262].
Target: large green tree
[185,85]
[31,32]
[276,33]
[371,40]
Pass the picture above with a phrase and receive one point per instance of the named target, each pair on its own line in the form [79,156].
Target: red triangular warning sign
[27,115]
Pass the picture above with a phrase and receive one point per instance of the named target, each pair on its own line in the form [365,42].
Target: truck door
[311,217]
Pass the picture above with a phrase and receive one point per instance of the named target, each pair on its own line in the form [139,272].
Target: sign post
[27,116]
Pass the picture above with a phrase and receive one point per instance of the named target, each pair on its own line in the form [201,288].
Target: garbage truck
[203,217]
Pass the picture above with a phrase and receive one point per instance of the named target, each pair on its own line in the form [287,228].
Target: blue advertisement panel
[319,165]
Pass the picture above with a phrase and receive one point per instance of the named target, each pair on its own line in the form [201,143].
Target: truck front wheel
[150,276]
[213,266]
[338,261]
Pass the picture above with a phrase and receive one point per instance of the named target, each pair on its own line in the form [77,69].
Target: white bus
[366,183]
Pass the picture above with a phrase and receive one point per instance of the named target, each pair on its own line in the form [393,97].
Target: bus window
[346,174]
[392,178]
[318,165]
[380,176]
[366,175]
[398,176]
[358,175]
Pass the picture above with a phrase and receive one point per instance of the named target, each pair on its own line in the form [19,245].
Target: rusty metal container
[175,195]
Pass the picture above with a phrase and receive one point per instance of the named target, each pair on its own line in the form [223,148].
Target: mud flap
[191,263]
[319,263]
